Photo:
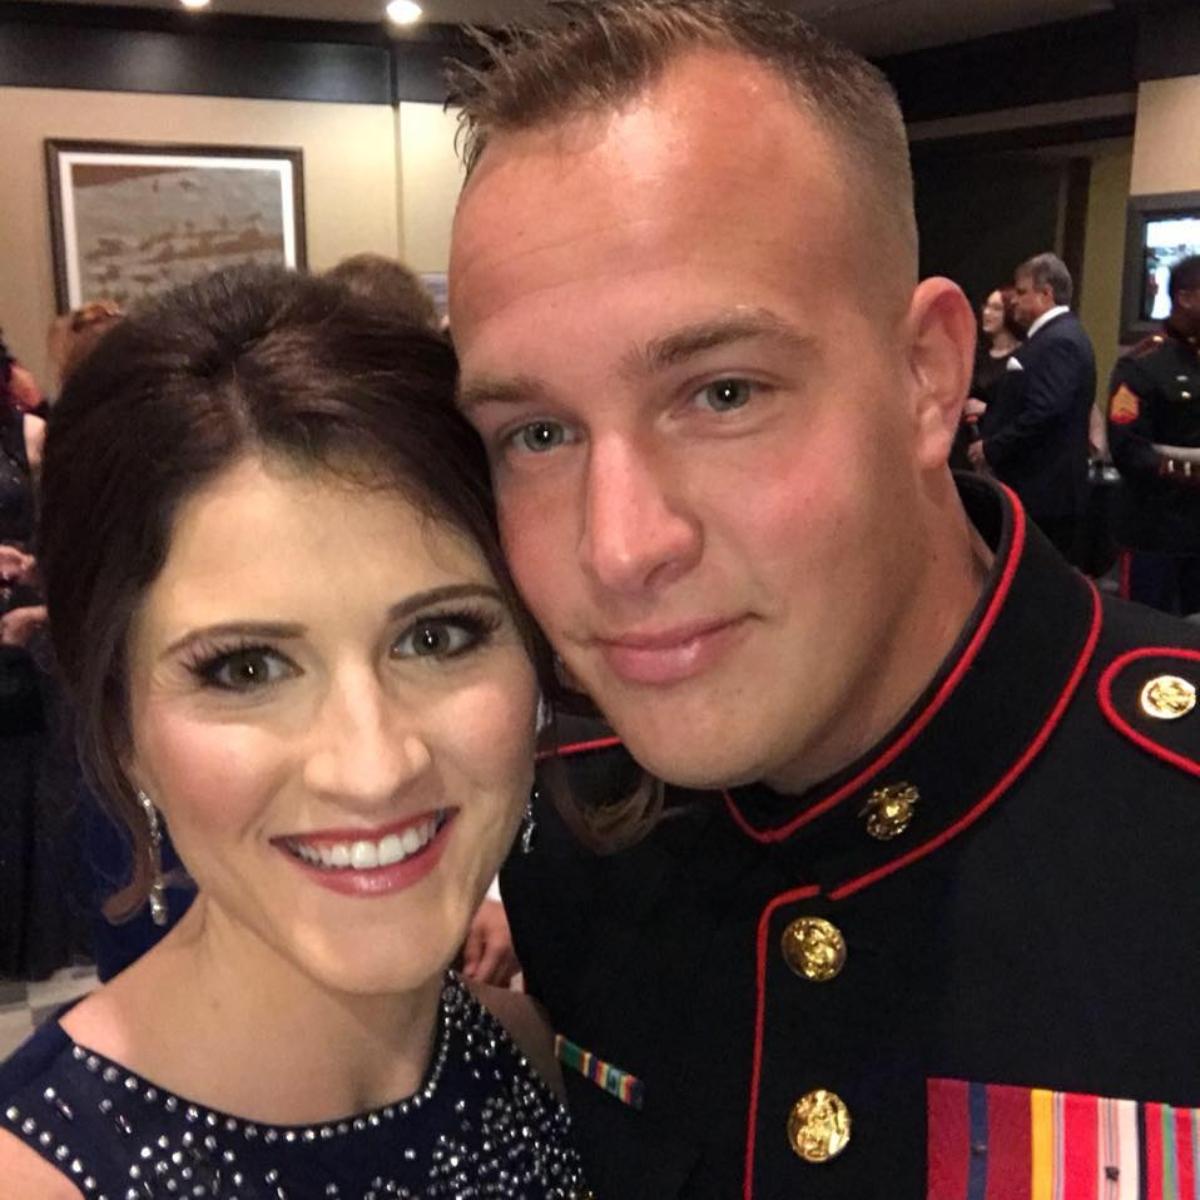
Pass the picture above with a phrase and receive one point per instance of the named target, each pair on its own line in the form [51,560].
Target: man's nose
[638,533]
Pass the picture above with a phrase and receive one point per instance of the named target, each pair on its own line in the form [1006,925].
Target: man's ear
[941,355]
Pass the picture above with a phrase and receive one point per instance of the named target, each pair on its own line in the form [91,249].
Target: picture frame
[1159,230]
[129,219]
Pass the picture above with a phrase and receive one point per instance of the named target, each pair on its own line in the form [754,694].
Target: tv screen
[1165,240]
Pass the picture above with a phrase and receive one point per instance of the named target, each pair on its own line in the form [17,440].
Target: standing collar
[1188,339]
[1046,318]
[967,738]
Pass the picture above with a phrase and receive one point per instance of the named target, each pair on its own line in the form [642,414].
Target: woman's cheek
[215,776]
[488,728]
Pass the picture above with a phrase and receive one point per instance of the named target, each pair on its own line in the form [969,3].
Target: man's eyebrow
[677,347]
[474,393]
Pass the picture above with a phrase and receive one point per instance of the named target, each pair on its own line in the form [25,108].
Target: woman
[1001,337]
[284,617]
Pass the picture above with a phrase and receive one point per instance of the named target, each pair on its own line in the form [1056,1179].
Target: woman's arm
[35,440]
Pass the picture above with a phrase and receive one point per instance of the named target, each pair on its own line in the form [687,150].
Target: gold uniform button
[1168,697]
[889,810]
[814,949]
[819,1126]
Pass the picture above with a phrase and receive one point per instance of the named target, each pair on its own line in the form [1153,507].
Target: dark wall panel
[1069,60]
[979,217]
[1169,41]
[194,65]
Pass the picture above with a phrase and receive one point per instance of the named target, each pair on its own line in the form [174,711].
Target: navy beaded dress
[483,1124]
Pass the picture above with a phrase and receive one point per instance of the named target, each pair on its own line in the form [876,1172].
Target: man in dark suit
[1035,437]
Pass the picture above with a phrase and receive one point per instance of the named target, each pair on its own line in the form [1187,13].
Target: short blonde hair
[598,56]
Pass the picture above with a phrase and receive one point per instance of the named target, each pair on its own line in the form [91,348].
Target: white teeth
[391,850]
[365,855]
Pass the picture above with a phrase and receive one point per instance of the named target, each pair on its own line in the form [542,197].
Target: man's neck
[911,650]
[1047,317]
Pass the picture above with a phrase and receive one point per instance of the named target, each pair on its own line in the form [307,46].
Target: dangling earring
[158,887]
[544,716]
[528,823]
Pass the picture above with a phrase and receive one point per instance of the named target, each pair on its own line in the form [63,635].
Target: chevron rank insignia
[1125,406]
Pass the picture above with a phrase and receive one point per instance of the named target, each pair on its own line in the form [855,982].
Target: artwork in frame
[129,220]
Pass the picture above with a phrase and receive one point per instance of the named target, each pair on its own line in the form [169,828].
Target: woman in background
[285,620]
[1001,335]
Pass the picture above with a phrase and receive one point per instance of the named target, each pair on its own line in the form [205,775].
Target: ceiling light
[195,3]
[404,12]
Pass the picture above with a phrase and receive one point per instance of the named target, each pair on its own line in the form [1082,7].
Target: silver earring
[528,823]
[158,887]
[544,715]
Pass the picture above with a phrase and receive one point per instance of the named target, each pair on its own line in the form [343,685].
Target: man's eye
[245,670]
[539,436]
[725,395]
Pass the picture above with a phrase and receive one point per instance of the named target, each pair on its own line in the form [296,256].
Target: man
[1154,433]
[924,847]
[1035,438]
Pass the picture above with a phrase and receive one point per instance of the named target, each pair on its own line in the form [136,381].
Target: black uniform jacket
[1029,919]
[1154,399]
[1035,433]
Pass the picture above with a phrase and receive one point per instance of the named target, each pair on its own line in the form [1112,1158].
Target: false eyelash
[205,659]
[481,622]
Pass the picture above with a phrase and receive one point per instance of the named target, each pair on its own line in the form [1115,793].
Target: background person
[1154,435]
[1001,335]
[42,924]
[377,279]
[291,640]
[916,767]
[1035,436]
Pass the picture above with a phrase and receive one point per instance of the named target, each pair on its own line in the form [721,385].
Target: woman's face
[332,707]
[993,314]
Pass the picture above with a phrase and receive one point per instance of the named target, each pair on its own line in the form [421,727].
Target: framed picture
[129,220]
[1159,231]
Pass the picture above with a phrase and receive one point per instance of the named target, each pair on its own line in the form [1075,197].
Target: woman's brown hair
[247,362]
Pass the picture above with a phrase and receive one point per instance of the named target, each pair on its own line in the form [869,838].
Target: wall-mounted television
[1161,230]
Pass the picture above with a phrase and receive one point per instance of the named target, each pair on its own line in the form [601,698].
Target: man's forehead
[686,161]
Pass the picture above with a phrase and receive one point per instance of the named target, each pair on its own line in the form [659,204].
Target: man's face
[1030,301]
[694,394]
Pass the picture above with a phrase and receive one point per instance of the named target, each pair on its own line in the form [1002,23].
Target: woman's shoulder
[527,1026]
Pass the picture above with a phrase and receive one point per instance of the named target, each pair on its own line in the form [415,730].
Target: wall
[430,179]
[1166,150]
[350,177]
[1104,252]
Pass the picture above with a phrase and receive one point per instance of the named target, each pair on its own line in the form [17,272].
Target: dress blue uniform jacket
[1020,996]
[1036,434]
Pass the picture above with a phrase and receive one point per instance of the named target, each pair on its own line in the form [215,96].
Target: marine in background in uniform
[1154,437]
[917,917]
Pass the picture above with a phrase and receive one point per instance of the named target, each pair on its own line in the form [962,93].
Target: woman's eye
[725,395]
[539,436]
[246,670]
[436,639]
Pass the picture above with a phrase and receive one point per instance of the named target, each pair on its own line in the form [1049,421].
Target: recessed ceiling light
[404,12]
[195,3]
